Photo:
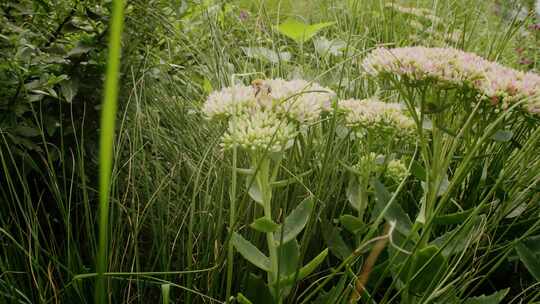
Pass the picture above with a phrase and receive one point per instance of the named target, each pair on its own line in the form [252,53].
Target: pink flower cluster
[452,67]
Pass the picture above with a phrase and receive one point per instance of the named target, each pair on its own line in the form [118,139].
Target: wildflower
[297,100]
[448,67]
[396,170]
[300,100]
[259,131]
[372,112]
[229,101]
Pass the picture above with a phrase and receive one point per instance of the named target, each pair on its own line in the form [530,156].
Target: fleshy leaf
[297,220]
[265,225]
[250,252]
[529,259]
[352,223]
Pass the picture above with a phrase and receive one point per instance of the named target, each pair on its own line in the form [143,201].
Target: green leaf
[257,291]
[418,171]
[334,241]
[394,212]
[254,191]
[289,256]
[427,268]
[352,223]
[297,220]
[265,225]
[69,89]
[453,218]
[502,135]
[307,269]
[529,259]
[326,47]
[299,31]
[26,131]
[250,252]
[240,298]
[353,194]
[458,239]
[313,264]
[494,298]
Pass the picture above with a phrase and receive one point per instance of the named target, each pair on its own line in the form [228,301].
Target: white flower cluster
[267,114]
[374,113]
[229,101]
[298,100]
[452,67]
[259,131]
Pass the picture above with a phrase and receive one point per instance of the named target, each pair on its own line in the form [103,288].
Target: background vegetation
[170,184]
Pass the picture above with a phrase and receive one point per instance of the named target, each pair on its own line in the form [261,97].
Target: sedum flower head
[259,131]
[396,170]
[455,68]
[229,101]
[372,112]
[297,100]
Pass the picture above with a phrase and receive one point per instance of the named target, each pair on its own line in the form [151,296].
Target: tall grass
[107,131]
[171,186]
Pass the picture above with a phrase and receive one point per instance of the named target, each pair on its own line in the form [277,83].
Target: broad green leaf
[207,86]
[265,225]
[299,31]
[289,255]
[394,211]
[69,89]
[307,269]
[530,259]
[458,239]
[254,191]
[257,291]
[452,218]
[427,268]
[313,264]
[502,135]
[353,194]
[27,131]
[334,241]
[297,220]
[352,223]
[250,252]
[494,298]
[418,171]
[326,47]
[240,298]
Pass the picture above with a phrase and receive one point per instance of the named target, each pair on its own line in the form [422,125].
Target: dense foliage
[388,174]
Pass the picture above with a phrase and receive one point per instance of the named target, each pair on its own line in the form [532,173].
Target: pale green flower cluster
[373,163]
[268,114]
[260,131]
[396,170]
[374,114]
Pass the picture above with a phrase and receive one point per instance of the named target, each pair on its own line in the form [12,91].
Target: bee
[262,90]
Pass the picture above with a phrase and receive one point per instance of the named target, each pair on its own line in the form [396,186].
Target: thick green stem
[264,183]
[232,220]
